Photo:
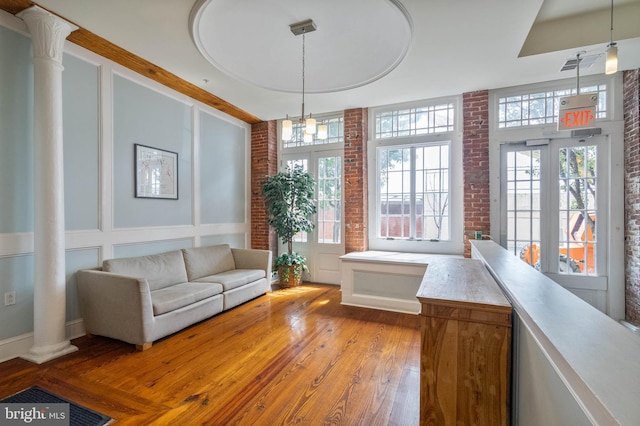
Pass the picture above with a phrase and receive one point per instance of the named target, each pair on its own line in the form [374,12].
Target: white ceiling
[457,46]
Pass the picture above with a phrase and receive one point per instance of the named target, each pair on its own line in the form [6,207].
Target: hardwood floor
[294,356]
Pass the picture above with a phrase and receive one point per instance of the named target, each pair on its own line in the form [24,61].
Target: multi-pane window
[329,196]
[335,133]
[532,109]
[414,192]
[414,121]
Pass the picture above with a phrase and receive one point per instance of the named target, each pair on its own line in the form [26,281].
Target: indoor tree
[289,199]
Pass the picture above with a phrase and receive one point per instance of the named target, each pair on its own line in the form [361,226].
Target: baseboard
[18,345]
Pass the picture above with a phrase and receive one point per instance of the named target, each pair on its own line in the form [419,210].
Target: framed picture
[156,173]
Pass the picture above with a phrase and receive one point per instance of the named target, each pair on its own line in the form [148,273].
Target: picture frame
[155,172]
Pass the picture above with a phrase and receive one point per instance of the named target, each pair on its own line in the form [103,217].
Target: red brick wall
[264,151]
[632,193]
[475,165]
[356,125]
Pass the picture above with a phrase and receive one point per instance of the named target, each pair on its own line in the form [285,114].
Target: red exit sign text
[573,119]
[577,112]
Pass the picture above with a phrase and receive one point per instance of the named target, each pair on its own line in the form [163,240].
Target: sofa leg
[143,347]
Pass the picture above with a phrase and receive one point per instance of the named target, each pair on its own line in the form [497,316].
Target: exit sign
[577,112]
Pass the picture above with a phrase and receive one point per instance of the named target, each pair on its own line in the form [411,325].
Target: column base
[41,355]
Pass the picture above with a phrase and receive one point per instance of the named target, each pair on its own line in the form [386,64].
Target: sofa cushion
[235,278]
[160,270]
[180,295]
[204,261]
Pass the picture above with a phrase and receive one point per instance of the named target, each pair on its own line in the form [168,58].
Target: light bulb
[322,131]
[287,130]
[611,66]
[310,126]
[308,137]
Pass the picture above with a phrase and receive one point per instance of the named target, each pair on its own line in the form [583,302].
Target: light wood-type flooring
[293,356]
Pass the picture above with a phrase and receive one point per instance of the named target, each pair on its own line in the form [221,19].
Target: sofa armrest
[253,259]
[116,306]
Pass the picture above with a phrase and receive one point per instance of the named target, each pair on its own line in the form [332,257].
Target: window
[414,192]
[530,109]
[414,121]
[415,178]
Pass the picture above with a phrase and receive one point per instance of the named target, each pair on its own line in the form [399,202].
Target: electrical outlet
[10,298]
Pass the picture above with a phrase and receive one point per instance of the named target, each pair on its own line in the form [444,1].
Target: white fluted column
[48,33]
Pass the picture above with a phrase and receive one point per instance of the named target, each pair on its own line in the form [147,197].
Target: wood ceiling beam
[90,41]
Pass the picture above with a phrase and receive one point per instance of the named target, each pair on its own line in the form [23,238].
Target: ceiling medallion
[361,41]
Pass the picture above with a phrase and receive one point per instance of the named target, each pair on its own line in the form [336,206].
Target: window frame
[455,244]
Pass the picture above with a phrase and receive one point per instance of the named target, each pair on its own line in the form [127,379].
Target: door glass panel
[300,237]
[578,190]
[329,196]
[523,204]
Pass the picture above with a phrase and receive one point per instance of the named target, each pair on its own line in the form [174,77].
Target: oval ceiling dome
[355,42]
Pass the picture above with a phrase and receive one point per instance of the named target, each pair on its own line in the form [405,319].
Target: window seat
[383,279]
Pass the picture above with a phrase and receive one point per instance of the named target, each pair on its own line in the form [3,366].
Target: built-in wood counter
[466,345]
[573,365]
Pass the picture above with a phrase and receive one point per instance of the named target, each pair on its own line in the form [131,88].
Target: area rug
[79,415]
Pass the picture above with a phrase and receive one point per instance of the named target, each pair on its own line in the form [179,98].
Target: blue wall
[225,186]
[81,118]
[106,110]
[143,116]
[16,133]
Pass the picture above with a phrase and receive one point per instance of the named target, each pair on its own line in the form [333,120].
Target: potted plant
[289,199]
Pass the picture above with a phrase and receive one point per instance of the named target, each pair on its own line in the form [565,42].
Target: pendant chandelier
[309,123]
[611,65]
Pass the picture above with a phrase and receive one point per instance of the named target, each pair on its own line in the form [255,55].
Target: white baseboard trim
[19,345]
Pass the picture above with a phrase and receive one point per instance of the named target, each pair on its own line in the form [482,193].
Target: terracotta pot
[290,276]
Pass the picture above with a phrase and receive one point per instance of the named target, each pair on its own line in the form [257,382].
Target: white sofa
[142,299]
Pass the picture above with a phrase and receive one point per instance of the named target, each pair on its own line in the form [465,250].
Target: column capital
[48,32]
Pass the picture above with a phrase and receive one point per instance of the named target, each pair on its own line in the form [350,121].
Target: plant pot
[290,276]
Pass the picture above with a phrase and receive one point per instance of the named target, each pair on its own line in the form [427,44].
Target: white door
[325,244]
[554,200]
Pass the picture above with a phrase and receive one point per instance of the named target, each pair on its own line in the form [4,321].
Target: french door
[554,211]
[325,244]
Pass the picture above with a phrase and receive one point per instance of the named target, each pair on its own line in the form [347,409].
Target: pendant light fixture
[309,123]
[611,65]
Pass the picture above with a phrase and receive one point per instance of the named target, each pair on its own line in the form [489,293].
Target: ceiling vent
[584,61]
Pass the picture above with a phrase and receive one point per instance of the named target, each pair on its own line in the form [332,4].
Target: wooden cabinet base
[466,346]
